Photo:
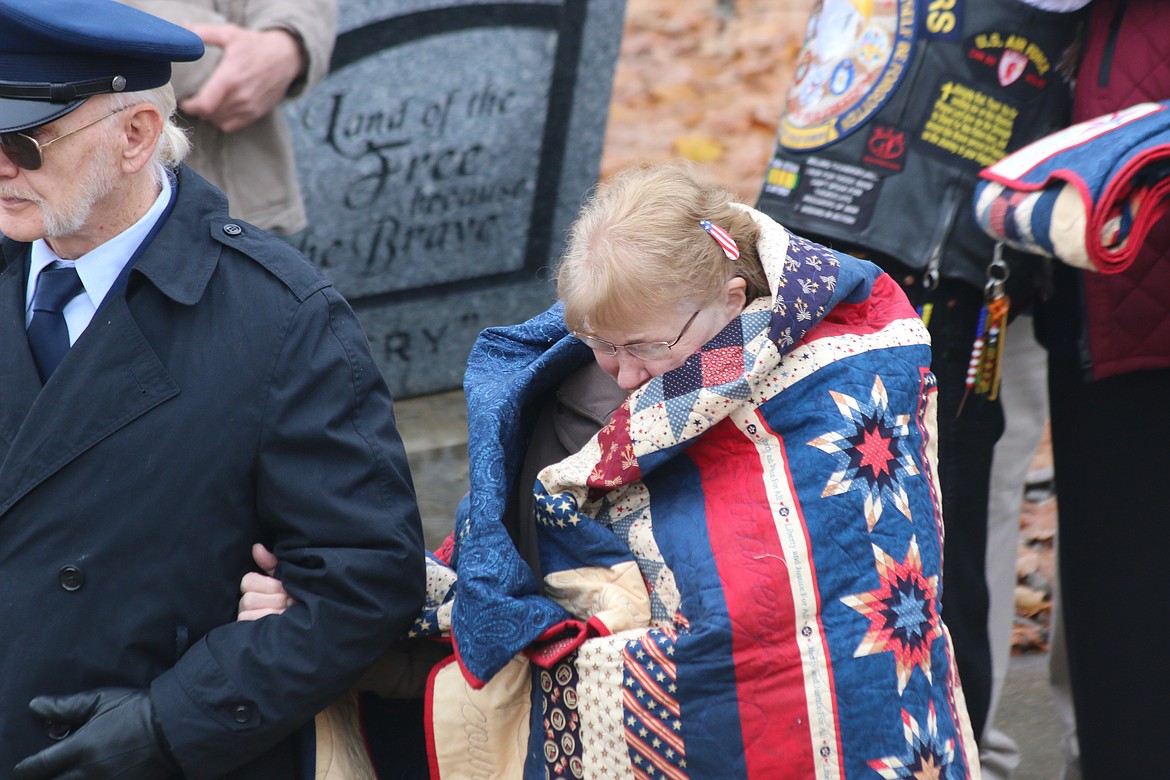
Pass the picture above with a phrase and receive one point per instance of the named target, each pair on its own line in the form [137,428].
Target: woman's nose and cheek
[629,372]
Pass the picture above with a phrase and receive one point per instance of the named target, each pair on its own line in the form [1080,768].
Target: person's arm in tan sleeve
[280,49]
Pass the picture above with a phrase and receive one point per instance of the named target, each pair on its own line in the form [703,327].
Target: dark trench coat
[228,397]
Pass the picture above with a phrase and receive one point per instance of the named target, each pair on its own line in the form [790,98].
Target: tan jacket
[255,166]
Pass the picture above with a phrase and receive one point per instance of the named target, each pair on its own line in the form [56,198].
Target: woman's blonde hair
[637,245]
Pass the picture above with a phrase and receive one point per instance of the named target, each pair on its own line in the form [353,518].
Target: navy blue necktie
[48,335]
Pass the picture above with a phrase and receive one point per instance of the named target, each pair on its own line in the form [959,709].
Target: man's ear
[143,127]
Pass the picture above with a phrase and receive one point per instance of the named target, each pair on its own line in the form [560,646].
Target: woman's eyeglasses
[28,153]
[643,350]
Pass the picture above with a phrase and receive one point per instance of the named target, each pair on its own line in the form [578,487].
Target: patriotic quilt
[741,570]
[1087,194]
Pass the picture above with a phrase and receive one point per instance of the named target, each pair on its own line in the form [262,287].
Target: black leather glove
[116,736]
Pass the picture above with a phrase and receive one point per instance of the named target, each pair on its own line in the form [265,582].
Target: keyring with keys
[983,370]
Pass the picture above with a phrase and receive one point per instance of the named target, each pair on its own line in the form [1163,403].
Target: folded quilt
[1086,195]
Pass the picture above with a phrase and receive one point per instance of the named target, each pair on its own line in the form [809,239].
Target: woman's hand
[262,594]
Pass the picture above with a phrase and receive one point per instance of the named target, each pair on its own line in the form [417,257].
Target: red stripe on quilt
[654,651]
[885,304]
[660,696]
[616,465]
[429,723]
[774,717]
[649,756]
[653,723]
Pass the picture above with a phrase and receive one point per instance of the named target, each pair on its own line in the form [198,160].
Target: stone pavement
[434,430]
[1026,715]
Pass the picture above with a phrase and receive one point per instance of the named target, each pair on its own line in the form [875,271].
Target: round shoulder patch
[855,53]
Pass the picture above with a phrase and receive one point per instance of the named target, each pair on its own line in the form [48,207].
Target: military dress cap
[56,53]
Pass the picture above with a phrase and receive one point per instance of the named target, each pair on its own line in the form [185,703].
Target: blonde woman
[739,571]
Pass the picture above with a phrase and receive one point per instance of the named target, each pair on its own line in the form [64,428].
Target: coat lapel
[109,378]
[19,374]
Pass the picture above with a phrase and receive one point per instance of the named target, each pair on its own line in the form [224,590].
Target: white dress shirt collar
[99,268]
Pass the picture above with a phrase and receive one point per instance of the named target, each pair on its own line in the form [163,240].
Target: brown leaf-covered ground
[1036,560]
[705,80]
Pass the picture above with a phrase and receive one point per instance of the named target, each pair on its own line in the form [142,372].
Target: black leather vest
[895,107]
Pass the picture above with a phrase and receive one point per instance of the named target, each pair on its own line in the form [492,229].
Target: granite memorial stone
[442,161]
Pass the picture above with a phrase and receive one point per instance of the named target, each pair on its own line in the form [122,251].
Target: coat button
[58,731]
[232,229]
[71,578]
[242,713]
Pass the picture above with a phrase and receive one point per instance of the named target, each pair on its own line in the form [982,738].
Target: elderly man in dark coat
[175,386]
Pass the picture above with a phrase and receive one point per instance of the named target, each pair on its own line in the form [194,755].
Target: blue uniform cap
[56,53]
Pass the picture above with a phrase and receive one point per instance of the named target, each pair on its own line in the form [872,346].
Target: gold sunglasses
[28,153]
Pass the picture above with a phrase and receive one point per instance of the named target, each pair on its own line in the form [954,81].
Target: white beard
[96,182]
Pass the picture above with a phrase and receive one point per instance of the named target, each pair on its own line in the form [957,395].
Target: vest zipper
[932,274]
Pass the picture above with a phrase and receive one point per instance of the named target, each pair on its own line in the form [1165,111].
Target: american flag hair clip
[723,238]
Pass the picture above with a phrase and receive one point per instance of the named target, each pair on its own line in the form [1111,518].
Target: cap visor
[16,115]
